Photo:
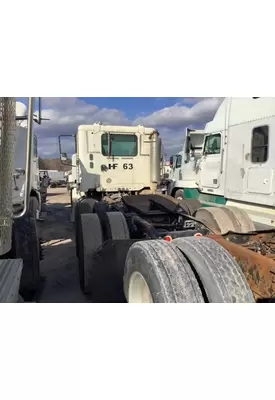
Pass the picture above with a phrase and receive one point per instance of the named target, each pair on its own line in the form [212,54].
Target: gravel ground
[59,267]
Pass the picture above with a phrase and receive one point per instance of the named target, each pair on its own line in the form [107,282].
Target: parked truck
[185,164]
[236,167]
[20,245]
[19,172]
[134,245]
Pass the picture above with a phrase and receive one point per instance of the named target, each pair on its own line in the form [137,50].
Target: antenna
[20,116]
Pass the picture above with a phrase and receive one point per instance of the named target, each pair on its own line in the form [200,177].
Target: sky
[170,115]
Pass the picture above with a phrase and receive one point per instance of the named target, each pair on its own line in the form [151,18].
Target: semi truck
[134,245]
[236,167]
[19,172]
[184,165]
[20,245]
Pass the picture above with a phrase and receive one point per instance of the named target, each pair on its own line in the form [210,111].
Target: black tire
[76,227]
[190,205]
[27,247]
[90,239]
[219,274]
[179,194]
[83,206]
[165,270]
[34,206]
[117,226]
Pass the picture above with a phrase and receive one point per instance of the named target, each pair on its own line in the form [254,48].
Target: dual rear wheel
[187,270]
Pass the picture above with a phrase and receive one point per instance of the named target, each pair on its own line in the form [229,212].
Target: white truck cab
[115,159]
[237,167]
[184,173]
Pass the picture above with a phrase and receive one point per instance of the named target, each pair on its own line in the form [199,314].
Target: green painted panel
[191,193]
[204,197]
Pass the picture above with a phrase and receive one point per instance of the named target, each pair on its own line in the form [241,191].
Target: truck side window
[259,145]
[178,161]
[122,145]
[212,144]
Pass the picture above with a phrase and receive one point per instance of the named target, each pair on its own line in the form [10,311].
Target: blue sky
[132,106]
[170,115]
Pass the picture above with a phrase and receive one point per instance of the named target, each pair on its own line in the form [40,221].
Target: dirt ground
[59,283]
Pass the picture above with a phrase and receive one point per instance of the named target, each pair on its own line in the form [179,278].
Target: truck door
[258,163]
[211,161]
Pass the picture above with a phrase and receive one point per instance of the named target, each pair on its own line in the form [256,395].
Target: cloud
[173,121]
[66,114]
[180,115]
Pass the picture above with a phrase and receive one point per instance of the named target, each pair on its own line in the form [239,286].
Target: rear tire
[157,272]
[219,274]
[90,239]
[85,206]
[117,227]
[34,206]
[27,247]
[179,195]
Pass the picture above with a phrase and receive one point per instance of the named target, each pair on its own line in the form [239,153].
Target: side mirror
[69,145]
[172,158]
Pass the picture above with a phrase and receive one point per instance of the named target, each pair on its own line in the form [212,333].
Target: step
[10,276]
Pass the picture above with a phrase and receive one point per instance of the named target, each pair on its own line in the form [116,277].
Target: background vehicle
[184,175]
[237,167]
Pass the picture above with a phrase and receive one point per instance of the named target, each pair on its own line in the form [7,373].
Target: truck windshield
[121,145]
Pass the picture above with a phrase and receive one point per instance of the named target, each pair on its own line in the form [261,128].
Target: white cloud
[67,113]
[172,121]
[180,115]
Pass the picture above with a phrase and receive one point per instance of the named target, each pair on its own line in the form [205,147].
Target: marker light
[168,238]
